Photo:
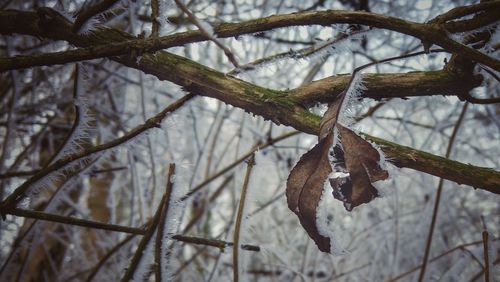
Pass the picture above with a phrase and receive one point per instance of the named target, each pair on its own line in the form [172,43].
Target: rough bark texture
[283,107]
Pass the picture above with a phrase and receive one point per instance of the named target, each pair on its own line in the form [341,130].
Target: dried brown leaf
[305,187]
[306,181]
[362,162]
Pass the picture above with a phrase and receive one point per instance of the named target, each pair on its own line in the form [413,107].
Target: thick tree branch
[277,106]
[48,23]
[381,86]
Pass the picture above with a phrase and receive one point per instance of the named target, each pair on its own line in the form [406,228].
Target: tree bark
[282,107]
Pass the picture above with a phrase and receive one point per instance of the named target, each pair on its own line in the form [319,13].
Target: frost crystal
[164,6]
[144,266]
[353,93]
[83,129]
[325,221]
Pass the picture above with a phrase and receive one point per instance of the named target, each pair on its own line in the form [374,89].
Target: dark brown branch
[152,226]
[270,104]
[380,86]
[155,9]
[483,101]
[74,221]
[120,228]
[48,23]
[484,19]
[279,108]
[405,157]
[463,11]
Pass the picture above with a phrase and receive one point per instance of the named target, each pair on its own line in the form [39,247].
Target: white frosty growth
[83,129]
[172,222]
[162,19]
[334,45]
[325,220]
[144,266]
[355,90]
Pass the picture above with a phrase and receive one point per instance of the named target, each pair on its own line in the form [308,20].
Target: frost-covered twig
[88,12]
[81,128]
[146,243]
[208,31]
[161,252]
[153,122]
[125,229]
[73,221]
[329,46]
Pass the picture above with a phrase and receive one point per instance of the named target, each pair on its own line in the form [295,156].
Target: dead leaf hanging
[305,187]
[361,160]
[356,158]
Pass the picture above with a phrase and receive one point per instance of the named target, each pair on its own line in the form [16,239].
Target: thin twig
[151,231]
[486,252]
[76,123]
[239,216]
[408,272]
[120,228]
[485,101]
[295,54]
[107,256]
[438,196]
[155,8]
[74,221]
[230,56]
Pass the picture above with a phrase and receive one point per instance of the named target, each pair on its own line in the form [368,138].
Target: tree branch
[155,121]
[119,228]
[278,106]
[48,23]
